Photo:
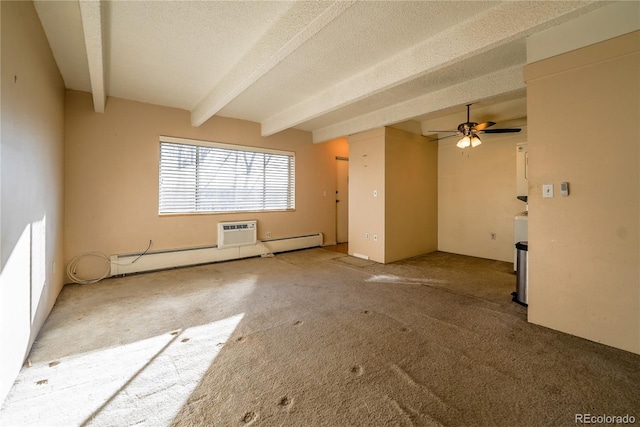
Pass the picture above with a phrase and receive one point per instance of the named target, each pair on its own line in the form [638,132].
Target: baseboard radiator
[161,260]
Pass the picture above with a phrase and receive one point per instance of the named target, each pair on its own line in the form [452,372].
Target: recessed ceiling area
[331,68]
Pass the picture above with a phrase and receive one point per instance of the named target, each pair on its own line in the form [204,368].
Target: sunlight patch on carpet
[143,383]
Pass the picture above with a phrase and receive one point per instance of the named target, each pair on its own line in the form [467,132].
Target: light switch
[547,190]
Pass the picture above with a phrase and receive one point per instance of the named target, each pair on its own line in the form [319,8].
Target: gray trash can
[520,295]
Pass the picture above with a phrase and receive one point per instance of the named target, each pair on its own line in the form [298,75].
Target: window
[206,177]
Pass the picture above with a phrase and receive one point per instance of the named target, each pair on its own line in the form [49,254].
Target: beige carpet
[313,338]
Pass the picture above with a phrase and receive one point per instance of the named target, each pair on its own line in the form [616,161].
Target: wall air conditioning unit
[233,234]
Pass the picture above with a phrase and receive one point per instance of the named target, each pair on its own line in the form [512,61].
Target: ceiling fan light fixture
[468,131]
[464,142]
[475,141]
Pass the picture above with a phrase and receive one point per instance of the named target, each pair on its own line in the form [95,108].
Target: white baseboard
[134,263]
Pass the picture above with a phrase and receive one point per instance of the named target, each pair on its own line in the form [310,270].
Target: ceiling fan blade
[501,130]
[483,126]
[440,131]
[442,137]
[450,136]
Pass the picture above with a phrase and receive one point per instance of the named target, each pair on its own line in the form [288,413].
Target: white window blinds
[197,176]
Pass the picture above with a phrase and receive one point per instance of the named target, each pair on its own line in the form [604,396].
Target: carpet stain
[365,312]
[552,389]
[285,403]
[357,370]
[240,339]
[185,340]
[298,323]
[55,363]
[249,417]
[42,382]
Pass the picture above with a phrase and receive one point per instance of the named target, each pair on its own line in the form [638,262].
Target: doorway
[342,200]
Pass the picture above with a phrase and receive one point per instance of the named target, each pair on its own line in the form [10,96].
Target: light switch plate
[547,190]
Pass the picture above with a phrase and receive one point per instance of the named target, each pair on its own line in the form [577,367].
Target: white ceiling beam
[90,11]
[301,23]
[477,35]
[487,86]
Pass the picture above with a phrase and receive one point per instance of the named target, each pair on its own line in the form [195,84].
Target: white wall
[31,196]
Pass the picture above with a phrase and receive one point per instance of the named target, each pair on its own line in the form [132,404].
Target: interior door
[342,200]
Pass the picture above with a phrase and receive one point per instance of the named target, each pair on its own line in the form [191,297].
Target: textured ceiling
[333,68]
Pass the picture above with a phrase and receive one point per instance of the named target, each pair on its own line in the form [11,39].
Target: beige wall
[366,212]
[411,184]
[477,196]
[31,179]
[111,179]
[584,275]
[402,168]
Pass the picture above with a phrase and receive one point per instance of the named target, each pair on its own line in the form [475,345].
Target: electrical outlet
[375,193]
[493,236]
[375,237]
[268,234]
[366,236]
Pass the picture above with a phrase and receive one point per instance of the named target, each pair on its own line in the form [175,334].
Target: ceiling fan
[469,132]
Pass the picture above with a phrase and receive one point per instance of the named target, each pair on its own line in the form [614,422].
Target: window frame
[232,147]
